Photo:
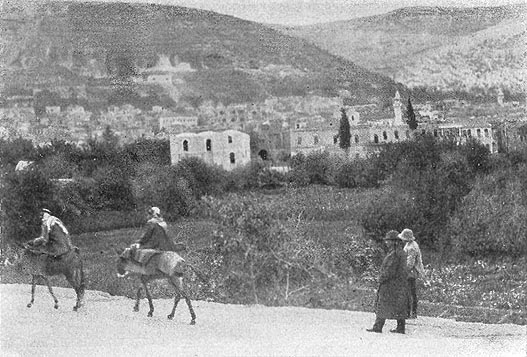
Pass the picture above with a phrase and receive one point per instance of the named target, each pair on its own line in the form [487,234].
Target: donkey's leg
[56,306]
[177,296]
[33,283]
[182,291]
[76,280]
[137,299]
[144,281]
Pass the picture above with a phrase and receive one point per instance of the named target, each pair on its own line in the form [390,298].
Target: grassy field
[481,291]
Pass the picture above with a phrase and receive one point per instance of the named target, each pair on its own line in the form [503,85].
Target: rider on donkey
[54,238]
[154,239]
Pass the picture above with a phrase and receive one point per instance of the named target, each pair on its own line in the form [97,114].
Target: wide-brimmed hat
[45,210]
[392,235]
[407,235]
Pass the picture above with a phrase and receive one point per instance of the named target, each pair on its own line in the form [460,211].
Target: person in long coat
[155,235]
[392,294]
[54,237]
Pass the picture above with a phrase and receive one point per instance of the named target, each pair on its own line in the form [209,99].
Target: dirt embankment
[106,326]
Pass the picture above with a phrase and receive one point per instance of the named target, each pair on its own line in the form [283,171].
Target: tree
[344,131]
[410,115]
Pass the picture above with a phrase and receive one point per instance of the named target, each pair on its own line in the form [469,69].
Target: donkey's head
[123,260]
[121,267]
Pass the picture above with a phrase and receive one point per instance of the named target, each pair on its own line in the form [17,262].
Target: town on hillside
[273,130]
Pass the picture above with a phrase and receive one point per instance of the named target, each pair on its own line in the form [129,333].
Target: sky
[306,12]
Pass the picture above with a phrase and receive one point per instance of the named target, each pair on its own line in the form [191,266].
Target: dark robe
[392,295]
[156,237]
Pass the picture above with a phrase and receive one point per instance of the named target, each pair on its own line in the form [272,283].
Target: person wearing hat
[54,236]
[392,294]
[155,235]
[414,262]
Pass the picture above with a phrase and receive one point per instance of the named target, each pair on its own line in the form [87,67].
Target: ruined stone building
[228,149]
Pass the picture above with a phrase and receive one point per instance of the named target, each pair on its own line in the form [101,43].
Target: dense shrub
[113,189]
[255,252]
[12,151]
[23,195]
[149,150]
[390,209]
[314,168]
[246,177]
[357,173]
[202,179]
[477,155]
[492,218]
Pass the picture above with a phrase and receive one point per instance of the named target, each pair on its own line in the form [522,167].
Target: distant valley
[472,50]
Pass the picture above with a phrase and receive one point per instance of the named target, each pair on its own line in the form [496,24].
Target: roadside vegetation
[311,237]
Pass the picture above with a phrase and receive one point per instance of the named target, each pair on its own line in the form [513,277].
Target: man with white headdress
[155,235]
[154,239]
[54,238]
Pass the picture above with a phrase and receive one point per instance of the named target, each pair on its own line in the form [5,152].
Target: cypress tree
[410,115]
[344,131]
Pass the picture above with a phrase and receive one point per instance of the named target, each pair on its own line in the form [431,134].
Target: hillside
[101,50]
[410,44]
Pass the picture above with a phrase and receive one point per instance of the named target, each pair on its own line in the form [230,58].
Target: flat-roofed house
[228,149]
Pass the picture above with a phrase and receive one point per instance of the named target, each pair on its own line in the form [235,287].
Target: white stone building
[228,149]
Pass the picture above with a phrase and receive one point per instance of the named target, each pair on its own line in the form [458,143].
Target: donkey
[40,265]
[162,265]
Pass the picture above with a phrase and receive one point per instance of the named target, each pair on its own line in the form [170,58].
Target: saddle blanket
[141,256]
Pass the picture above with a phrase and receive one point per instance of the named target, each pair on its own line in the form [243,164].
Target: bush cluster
[451,195]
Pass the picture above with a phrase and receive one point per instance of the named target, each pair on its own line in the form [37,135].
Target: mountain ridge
[67,43]
[390,43]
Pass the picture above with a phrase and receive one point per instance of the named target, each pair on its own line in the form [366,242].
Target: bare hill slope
[416,45]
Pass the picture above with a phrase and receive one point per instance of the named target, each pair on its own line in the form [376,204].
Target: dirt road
[107,327]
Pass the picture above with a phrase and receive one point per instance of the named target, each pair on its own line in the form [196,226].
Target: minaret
[397,110]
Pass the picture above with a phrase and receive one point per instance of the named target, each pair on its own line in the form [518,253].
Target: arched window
[185,145]
[208,145]
[396,134]
[478,132]
[356,139]
[375,138]
[486,131]
[232,158]
[315,139]
[469,133]
[229,139]
[435,133]
[384,135]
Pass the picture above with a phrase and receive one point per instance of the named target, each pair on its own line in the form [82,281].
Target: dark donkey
[163,265]
[41,265]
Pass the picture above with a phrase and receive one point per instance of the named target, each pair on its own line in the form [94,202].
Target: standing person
[54,237]
[392,295]
[415,267]
[155,235]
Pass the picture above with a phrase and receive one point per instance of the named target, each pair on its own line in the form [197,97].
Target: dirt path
[108,327]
